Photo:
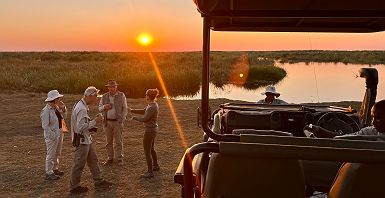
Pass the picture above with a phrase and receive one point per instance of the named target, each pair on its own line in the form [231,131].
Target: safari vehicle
[260,150]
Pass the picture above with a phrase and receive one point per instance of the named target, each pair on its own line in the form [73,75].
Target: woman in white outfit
[52,121]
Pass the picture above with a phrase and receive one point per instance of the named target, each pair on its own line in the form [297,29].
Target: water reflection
[335,82]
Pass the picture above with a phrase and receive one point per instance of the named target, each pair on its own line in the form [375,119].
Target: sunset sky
[114,25]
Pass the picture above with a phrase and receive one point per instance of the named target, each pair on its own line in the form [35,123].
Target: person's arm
[125,107]
[147,115]
[320,132]
[83,122]
[101,106]
[138,111]
[44,116]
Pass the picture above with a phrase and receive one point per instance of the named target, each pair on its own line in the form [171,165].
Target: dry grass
[22,153]
[70,72]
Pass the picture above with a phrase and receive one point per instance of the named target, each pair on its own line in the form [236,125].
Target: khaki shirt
[111,113]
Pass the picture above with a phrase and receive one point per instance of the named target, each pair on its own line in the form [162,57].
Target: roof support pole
[205,86]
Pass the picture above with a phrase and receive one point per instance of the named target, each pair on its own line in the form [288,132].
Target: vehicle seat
[236,176]
[355,180]
[261,132]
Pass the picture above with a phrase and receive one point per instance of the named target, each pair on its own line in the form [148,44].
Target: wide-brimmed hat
[271,89]
[52,95]
[111,83]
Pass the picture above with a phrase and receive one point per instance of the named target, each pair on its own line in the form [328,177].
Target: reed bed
[72,72]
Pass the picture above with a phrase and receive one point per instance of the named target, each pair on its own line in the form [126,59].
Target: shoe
[79,190]
[51,176]
[156,168]
[103,184]
[108,162]
[57,172]
[148,175]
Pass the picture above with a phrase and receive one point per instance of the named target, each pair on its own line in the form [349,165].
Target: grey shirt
[150,118]
[370,130]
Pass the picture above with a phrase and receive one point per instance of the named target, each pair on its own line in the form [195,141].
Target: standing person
[52,123]
[113,106]
[81,127]
[271,96]
[150,121]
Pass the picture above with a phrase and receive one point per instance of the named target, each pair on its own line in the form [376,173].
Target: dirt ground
[22,153]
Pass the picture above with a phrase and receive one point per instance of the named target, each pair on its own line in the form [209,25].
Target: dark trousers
[149,151]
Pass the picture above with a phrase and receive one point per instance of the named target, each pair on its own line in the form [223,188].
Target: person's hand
[107,106]
[129,109]
[311,128]
[62,106]
[99,118]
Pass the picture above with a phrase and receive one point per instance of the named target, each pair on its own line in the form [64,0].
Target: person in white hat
[271,96]
[52,121]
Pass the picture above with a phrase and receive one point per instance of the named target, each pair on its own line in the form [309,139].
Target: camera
[93,129]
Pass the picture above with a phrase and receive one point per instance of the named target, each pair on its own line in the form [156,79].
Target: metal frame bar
[188,187]
[205,86]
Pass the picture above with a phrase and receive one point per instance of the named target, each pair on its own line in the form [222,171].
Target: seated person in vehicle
[271,96]
[378,128]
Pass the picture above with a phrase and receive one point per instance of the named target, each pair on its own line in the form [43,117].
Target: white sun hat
[52,95]
[271,89]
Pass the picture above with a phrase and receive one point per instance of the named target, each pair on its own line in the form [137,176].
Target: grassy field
[70,72]
[22,152]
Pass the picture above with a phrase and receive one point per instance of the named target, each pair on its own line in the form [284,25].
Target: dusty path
[22,152]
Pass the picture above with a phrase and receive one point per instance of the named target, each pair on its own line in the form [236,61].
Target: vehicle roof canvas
[297,16]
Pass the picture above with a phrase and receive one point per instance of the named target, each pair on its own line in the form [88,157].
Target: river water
[305,83]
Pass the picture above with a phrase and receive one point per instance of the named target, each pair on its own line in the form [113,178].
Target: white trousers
[53,153]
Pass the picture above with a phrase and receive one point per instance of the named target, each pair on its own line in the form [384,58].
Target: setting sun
[144,39]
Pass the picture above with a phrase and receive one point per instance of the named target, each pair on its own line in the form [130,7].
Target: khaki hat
[52,95]
[271,89]
[111,83]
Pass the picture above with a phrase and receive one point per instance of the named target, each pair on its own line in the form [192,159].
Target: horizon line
[96,51]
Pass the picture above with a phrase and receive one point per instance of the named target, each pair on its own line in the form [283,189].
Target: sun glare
[144,39]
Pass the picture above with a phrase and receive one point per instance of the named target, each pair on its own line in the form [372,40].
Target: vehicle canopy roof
[294,15]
